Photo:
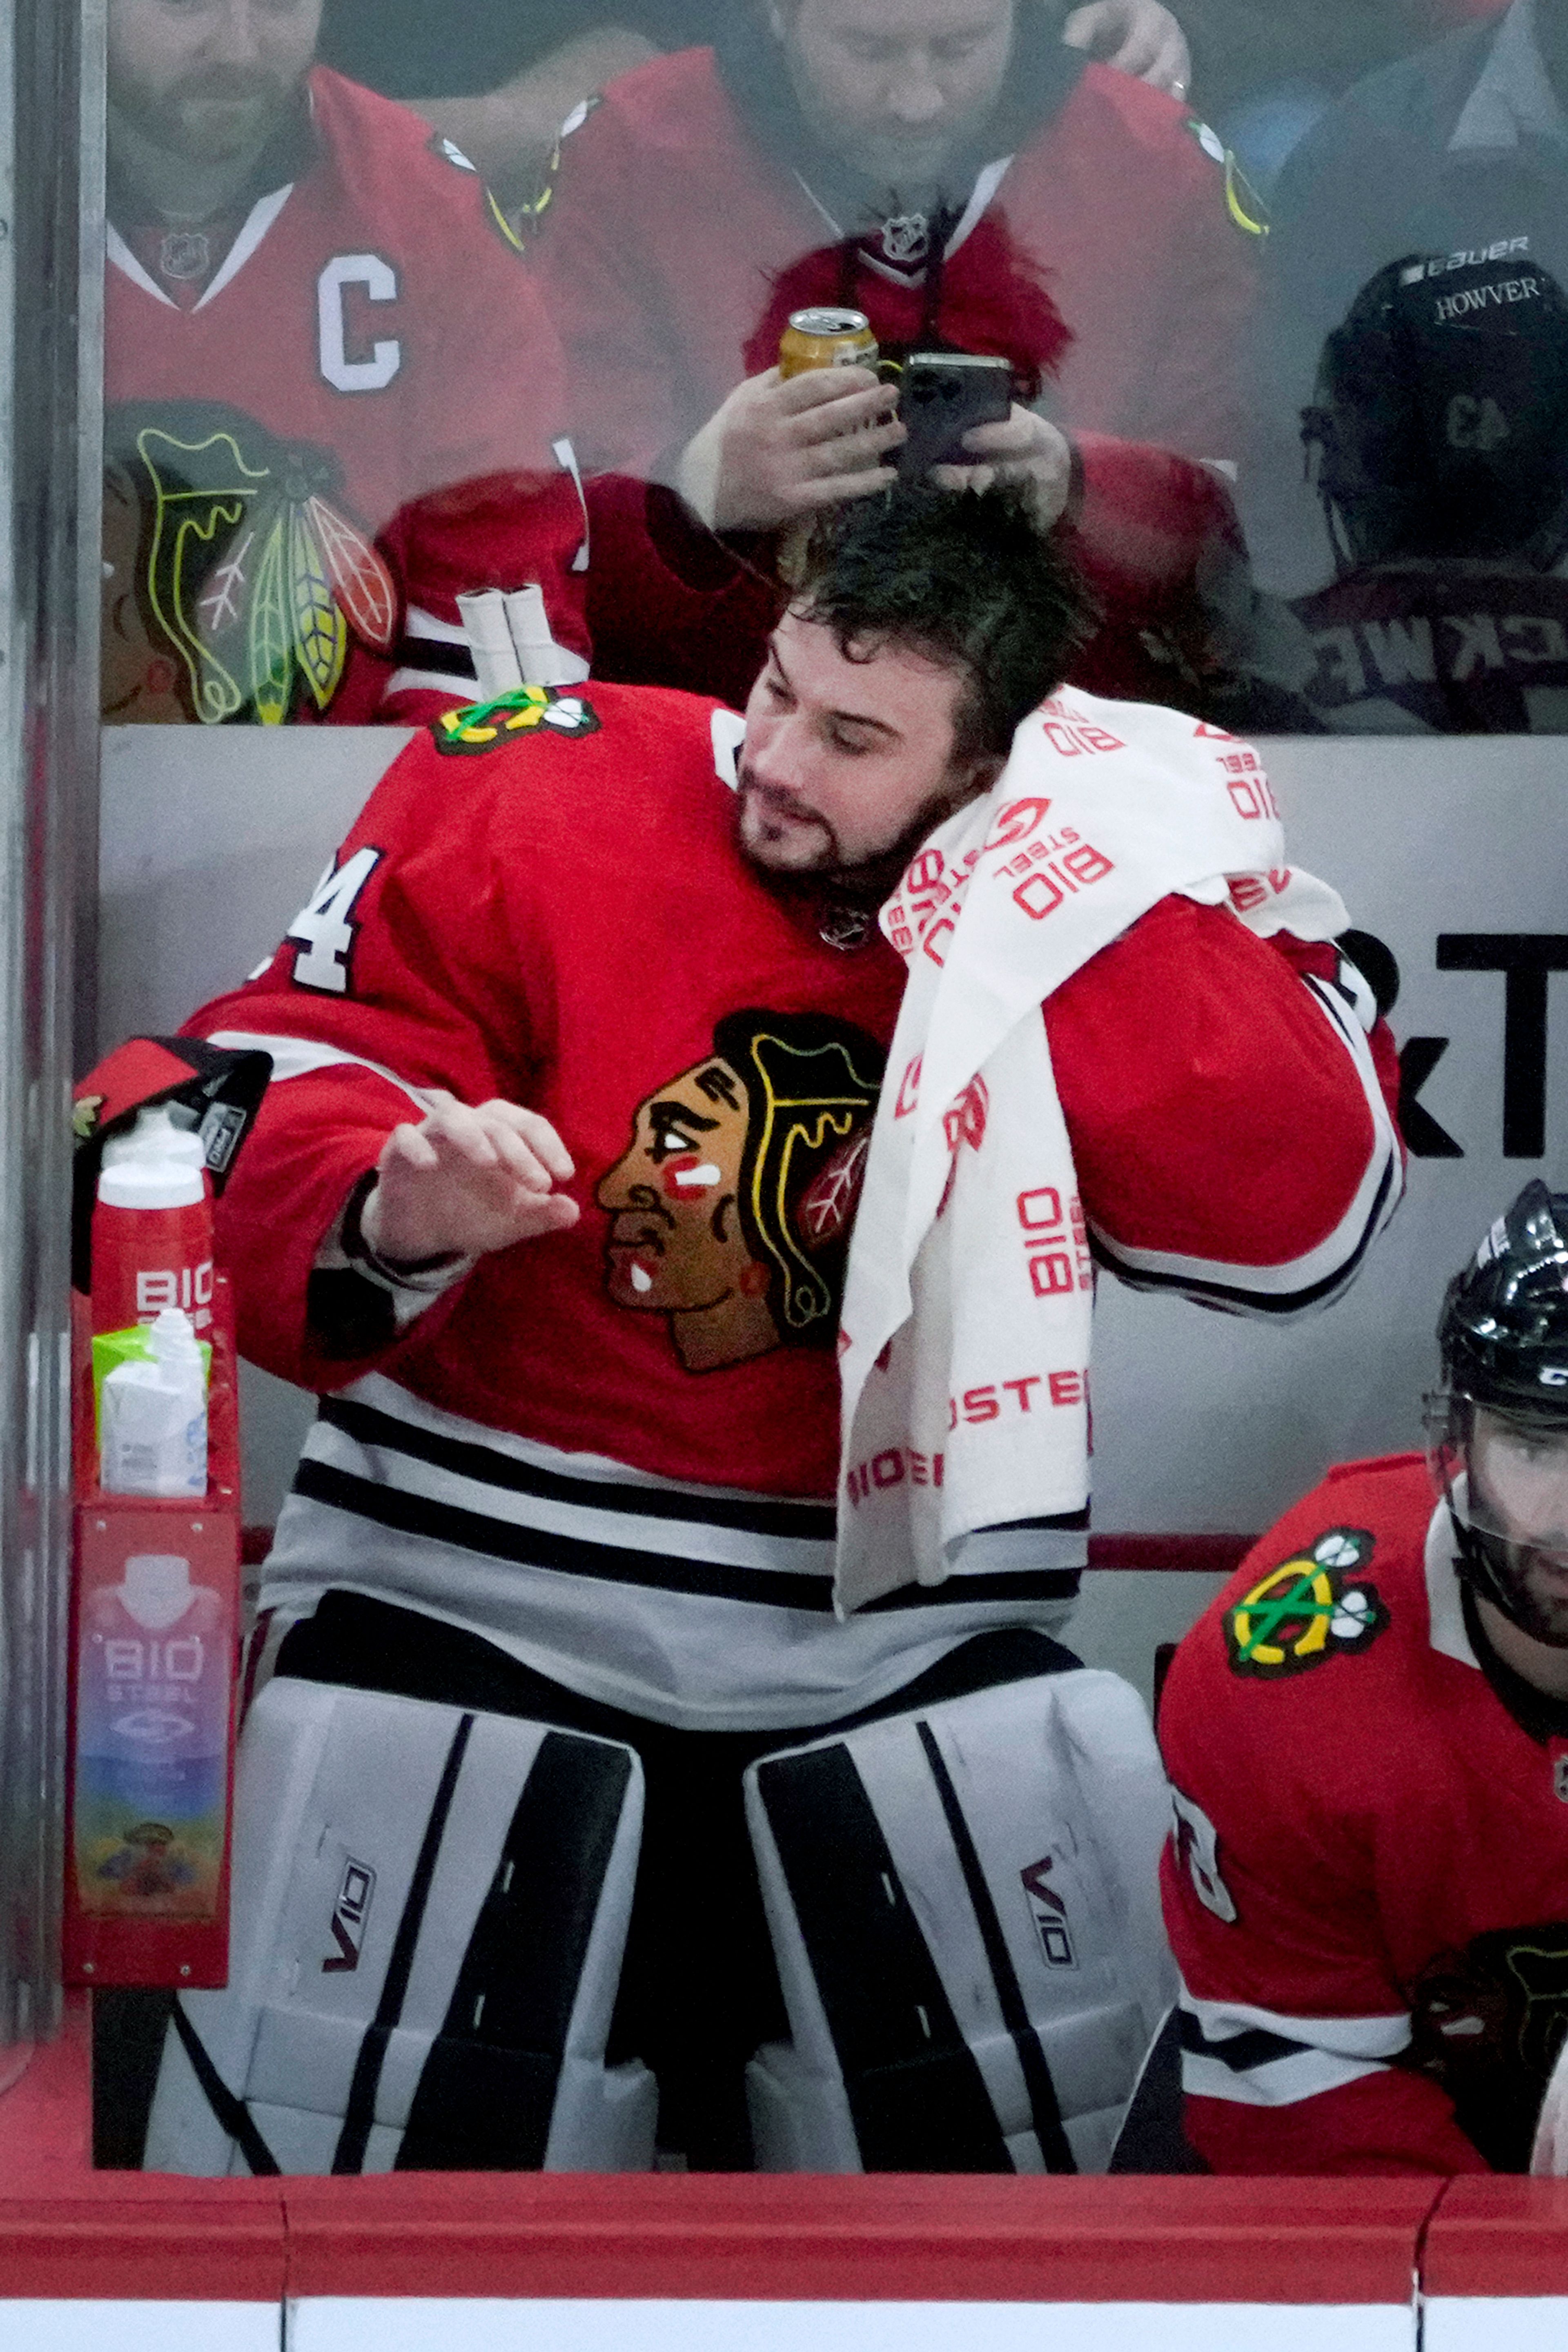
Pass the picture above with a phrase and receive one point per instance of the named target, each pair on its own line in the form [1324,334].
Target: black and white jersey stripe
[693,1604]
[1256,2059]
[1320,1276]
[433,656]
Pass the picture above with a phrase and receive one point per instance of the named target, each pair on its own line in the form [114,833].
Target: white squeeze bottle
[154,1416]
[157,1135]
[151,1227]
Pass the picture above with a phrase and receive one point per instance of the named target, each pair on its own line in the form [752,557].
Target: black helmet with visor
[1497,1430]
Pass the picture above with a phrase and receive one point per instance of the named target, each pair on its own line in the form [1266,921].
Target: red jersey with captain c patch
[355,415]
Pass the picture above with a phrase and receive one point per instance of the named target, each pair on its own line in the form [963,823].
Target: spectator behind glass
[501,76]
[317,334]
[941,164]
[1462,150]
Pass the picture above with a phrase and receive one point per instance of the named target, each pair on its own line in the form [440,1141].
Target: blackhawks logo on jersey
[482,725]
[1311,1605]
[247,568]
[730,1208]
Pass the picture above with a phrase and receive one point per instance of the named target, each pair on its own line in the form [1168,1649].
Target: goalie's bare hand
[468,1180]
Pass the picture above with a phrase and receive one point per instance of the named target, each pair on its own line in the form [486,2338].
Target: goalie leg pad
[430,1909]
[964,1907]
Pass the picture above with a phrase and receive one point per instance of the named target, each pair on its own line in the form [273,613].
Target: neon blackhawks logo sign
[232,565]
[1310,1606]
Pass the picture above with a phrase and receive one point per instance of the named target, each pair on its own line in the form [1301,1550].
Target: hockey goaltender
[589,1775]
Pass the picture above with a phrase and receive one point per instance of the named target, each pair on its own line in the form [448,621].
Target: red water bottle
[151,1227]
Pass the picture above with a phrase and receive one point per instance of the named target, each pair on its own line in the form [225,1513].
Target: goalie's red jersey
[369,359]
[1367,1891]
[609,1449]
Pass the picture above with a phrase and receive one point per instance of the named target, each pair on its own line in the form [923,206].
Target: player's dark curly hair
[964,577]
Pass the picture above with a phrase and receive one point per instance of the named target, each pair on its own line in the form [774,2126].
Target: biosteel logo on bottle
[152,1707]
[152,1230]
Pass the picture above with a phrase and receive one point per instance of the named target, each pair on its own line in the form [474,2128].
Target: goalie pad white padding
[430,1909]
[964,1906]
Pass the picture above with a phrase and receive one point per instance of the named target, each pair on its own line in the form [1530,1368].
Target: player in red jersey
[334,396]
[1367,1736]
[579,1427]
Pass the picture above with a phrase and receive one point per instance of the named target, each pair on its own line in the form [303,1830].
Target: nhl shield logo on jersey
[1309,1607]
[480,726]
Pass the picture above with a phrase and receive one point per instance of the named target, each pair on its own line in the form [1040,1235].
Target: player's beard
[212,115]
[1530,1578]
[907,170]
[864,881]
[1535,1583]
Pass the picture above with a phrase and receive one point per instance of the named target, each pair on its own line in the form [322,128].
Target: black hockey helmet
[1503,1337]
[1439,424]
[1503,1330]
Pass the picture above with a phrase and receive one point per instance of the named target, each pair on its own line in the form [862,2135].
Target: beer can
[819,339]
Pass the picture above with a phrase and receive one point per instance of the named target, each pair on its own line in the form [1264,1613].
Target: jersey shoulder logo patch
[449,151]
[1245,206]
[527,709]
[1311,1606]
[529,216]
[496,213]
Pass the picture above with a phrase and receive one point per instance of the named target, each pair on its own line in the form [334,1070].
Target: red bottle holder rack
[164,1924]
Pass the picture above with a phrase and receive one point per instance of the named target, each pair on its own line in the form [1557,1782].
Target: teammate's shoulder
[346,110]
[669,98]
[1130,130]
[1388,1494]
[401,172]
[1332,1593]
[1387,1475]
[1119,105]
[627,732]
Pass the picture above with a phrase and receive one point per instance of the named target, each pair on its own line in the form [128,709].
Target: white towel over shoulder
[968,1275]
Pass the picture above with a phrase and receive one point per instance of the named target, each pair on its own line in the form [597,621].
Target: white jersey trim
[258,221]
[1319,1274]
[302,1057]
[125,261]
[418,622]
[1444,1601]
[262,214]
[1259,2058]
[718,1607]
[987,184]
